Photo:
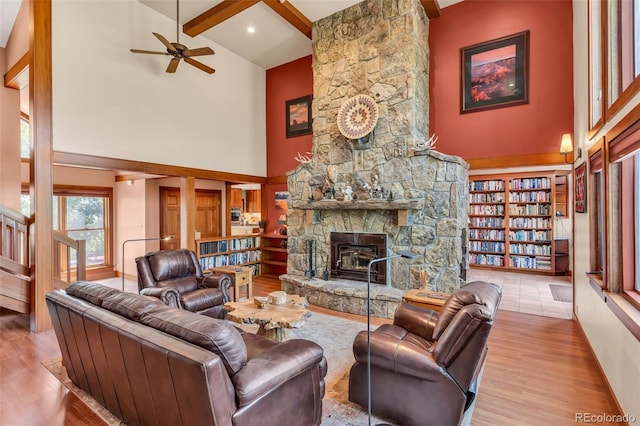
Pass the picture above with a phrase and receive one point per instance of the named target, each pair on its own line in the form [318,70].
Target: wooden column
[40,170]
[188,203]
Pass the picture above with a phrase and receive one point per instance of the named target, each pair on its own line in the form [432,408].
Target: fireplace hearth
[351,253]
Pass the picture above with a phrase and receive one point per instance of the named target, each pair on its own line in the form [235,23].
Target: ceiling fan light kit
[180,51]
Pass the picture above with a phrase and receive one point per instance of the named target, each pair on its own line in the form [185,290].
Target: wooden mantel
[401,206]
[358,205]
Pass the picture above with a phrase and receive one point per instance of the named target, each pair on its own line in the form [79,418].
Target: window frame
[87,191]
[597,207]
[624,94]
[82,191]
[622,148]
[597,69]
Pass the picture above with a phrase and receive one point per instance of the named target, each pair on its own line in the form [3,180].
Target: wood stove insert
[351,253]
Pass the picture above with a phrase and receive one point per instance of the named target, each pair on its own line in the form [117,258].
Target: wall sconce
[170,237]
[566,147]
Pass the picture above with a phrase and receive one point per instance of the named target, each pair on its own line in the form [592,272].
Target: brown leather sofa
[175,277]
[149,363]
[425,366]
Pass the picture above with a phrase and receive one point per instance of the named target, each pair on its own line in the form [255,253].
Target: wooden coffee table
[274,320]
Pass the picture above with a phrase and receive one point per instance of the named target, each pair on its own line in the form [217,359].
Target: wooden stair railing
[64,272]
[15,270]
[15,260]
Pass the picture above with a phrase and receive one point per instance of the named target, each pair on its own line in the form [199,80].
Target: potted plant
[262,225]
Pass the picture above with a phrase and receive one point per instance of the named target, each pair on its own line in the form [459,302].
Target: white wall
[131,223]
[617,350]
[110,102]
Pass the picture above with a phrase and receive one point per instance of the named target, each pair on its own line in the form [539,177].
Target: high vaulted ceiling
[274,42]
[282,28]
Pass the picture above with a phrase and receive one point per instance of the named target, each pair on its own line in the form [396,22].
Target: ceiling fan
[180,51]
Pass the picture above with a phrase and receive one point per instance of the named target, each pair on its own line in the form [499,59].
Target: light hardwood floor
[539,372]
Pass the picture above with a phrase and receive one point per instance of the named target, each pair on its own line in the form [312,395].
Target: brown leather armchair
[425,367]
[176,278]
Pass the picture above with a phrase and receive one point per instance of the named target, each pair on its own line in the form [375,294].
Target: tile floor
[527,293]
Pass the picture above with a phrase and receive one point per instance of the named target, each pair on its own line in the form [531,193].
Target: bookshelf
[487,222]
[274,254]
[241,250]
[511,222]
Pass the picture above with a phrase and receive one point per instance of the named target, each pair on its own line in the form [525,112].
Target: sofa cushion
[91,292]
[201,299]
[131,305]
[212,334]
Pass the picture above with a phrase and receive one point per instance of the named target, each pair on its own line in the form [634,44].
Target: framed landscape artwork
[580,190]
[495,73]
[298,112]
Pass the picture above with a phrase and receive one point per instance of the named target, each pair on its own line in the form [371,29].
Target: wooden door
[208,213]
[170,217]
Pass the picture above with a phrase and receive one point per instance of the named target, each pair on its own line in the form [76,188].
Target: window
[624,154]
[25,204]
[595,65]
[623,52]
[596,199]
[84,217]
[24,138]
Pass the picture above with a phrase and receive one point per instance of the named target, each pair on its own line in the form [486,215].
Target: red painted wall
[536,127]
[288,81]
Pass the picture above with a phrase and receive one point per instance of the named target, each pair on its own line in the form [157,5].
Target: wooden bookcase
[240,250]
[274,254]
[511,222]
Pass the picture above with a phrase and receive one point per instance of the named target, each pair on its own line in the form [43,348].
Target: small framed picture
[495,73]
[298,113]
[580,190]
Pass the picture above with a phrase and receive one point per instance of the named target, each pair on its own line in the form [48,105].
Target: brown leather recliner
[425,366]
[176,278]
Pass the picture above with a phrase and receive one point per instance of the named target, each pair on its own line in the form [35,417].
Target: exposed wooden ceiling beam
[217,14]
[291,15]
[228,8]
[17,77]
[431,7]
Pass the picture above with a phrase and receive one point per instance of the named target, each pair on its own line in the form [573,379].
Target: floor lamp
[139,239]
[401,253]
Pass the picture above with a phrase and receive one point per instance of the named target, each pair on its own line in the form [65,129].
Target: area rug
[334,335]
[561,292]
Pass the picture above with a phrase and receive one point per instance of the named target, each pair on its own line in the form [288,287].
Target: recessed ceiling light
[251,30]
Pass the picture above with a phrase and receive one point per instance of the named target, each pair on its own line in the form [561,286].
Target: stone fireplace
[389,185]
[351,253]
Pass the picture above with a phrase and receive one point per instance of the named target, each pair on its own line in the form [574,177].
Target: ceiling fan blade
[173,65]
[199,51]
[199,65]
[170,47]
[149,52]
